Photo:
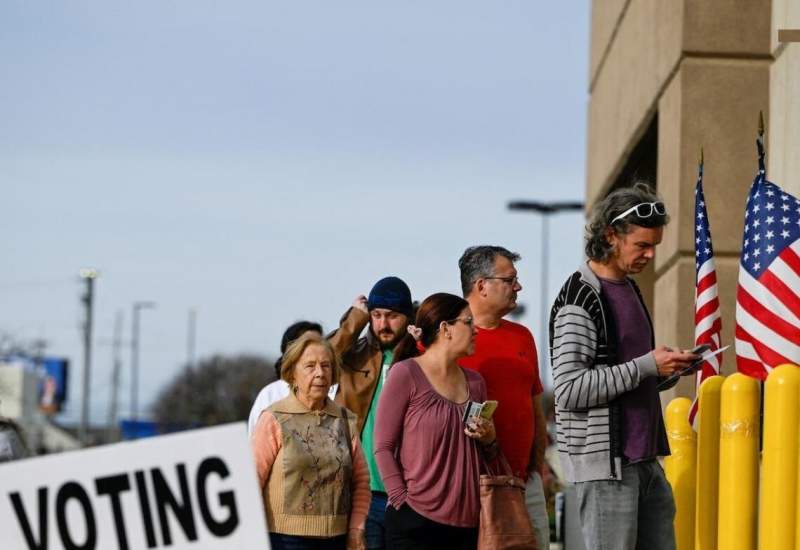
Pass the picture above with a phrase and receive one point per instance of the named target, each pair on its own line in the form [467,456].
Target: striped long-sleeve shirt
[587,379]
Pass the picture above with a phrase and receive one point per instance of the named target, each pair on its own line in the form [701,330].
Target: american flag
[707,318]
[768,293]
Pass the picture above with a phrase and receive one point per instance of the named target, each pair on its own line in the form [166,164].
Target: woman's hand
[355,539]
[482,430]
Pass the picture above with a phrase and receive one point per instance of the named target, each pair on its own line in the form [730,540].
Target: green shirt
[375,482]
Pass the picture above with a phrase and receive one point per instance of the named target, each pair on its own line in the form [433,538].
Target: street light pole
[137,307]
[544,343]
[88,275]
[545,209]
[116,366]
[191,338]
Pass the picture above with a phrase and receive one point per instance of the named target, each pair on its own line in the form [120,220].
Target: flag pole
[701,161]
[762,168]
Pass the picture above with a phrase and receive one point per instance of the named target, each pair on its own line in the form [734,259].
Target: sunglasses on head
[643,210]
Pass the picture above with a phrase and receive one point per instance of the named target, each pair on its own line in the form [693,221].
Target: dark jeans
[375,532]
[279,541]
[408,530]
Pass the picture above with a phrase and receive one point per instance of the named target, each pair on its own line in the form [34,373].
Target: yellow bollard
[777,513]
[680,468]
[738,463]
[706,503]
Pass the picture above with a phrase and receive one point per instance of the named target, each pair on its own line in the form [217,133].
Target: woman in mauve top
[428,460]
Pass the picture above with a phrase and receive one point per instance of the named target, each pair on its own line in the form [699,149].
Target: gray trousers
[636,513]
[537,509]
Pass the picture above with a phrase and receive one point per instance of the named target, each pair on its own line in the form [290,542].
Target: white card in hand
[709,355]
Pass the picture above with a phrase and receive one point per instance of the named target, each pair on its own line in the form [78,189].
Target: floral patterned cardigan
[311,469]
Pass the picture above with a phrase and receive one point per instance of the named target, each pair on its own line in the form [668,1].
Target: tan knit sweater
[311,485]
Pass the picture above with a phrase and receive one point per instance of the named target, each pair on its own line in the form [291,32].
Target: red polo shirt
[506,358]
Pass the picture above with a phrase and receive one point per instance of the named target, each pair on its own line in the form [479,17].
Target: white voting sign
[193,490]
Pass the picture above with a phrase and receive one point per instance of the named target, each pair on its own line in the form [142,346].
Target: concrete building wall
[17,393]
[703,70]
[643,52]
[19,402]
[784,128]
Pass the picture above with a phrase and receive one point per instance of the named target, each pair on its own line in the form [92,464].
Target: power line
[15,285]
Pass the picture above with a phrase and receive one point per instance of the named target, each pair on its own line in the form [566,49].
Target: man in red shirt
[505,355]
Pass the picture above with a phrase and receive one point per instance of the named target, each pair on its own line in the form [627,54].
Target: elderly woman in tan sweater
[308,456]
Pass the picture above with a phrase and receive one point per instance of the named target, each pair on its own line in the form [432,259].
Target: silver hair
[596,246]
[478,262]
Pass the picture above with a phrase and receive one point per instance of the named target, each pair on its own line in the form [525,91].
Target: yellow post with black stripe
[738,463]
[778,504]
[680,468]
[707,490]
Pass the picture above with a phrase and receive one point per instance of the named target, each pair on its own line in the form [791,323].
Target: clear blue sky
[265,162]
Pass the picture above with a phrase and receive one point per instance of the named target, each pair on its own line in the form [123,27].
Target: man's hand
[669,361]
[361,303]
[350,326]
[541,438]
[355,539]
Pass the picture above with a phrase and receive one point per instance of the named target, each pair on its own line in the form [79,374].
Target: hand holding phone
[700,350]
[475,410]
[478,421]
[669,360]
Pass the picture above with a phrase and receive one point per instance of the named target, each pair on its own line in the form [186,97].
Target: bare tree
[11,345]
[219,389]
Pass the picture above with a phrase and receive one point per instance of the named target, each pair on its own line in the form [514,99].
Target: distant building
[21,392]
[666,78]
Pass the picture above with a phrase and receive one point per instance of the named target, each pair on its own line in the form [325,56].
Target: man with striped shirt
[606,375]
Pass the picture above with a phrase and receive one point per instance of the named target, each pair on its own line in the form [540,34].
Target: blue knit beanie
[391,293]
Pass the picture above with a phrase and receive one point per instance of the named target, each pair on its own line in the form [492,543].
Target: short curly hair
[596,246]
[478,261]
[295,351]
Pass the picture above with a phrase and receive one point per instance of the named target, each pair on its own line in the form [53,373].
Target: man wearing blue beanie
[365,361]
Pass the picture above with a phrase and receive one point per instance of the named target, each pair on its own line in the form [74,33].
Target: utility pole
[88,275]
[544,306]
[137,307]
[545,209]
[116,362]
[191,337]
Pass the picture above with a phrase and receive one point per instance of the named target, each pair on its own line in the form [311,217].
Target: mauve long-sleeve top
[424,457]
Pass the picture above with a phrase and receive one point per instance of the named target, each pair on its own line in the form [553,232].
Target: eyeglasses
[643,210]
[469,321]
[508,280]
